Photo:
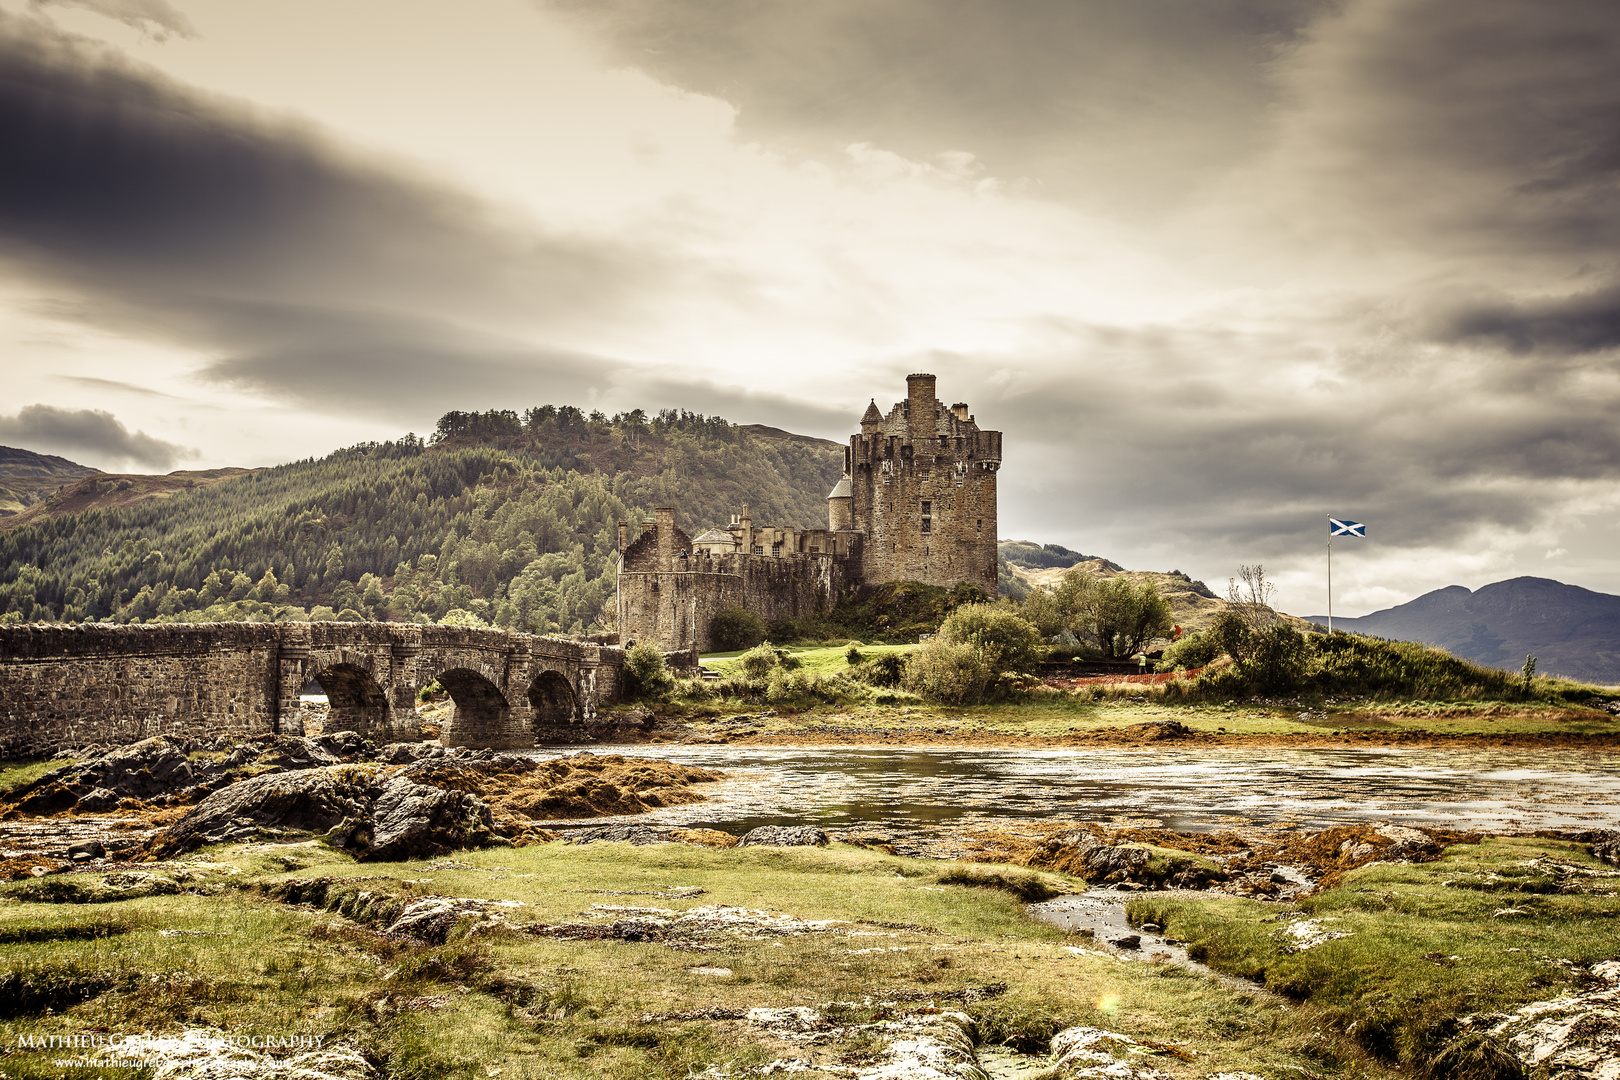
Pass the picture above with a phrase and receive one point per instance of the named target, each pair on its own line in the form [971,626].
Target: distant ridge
[27,477]
[1571,631]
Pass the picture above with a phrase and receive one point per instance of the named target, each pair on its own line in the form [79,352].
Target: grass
[21,772]
[1425,944]
[539,1007]
[816,660]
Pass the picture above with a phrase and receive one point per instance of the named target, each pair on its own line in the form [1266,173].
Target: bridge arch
[552,703]
[354,700]
[482,715]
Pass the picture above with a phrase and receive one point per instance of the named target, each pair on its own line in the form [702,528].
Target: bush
[949,672]
[853,654]
[735,627]
[1009,643]
[885,669]
[1273,658]
[1193,651]
[757,662]
[646,676]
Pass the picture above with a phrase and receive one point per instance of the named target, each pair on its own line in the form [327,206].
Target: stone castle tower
[917,503]
[920,486]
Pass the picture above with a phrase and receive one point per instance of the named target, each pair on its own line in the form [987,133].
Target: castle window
[776,549]
[759,549]
[981,526]
[928,525]
[927,508]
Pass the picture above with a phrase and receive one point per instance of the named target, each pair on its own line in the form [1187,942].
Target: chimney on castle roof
[666,535]
[920,421]
[961,410]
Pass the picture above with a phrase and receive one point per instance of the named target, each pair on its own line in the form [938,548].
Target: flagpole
[1330,577]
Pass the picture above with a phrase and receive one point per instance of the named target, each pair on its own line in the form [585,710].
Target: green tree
[646,676]
[735,627]
[1115,616]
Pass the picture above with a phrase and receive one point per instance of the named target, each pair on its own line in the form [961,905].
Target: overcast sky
[1218,268]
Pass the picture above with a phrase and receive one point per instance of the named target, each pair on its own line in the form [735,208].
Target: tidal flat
[1259,906]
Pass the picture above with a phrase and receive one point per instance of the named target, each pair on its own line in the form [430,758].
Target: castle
[917,502]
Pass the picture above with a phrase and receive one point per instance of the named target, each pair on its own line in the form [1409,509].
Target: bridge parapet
[65,686]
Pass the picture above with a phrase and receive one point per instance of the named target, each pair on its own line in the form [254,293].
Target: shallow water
[926,789]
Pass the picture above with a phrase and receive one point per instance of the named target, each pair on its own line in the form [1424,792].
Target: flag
[1346,528]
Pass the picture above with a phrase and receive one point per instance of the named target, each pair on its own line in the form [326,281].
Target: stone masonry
[69,686]
[917,502]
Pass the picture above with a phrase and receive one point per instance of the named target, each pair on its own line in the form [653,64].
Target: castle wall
[672,607]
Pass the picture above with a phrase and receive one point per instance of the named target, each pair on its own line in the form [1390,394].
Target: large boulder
[370,811]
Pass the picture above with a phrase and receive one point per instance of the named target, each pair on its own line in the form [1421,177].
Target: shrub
[853,655]
[757,662]
[646,676]
[949,672]
[885,669]
[1193,651]
[1009,643]
[735,627]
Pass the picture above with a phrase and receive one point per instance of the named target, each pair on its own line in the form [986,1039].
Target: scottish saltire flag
[1346,528]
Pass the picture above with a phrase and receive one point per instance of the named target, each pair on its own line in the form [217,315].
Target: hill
[108,490]
[1571,631]
[511,519]
[27,477]
[1193,604]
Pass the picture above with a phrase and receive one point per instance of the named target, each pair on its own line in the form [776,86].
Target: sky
[1218,269]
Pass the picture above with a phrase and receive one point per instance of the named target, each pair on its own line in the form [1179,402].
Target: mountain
[1571,631]
[27,477]
[107,490]
[510,519]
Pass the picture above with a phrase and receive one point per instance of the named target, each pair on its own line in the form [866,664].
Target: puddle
[1102,911]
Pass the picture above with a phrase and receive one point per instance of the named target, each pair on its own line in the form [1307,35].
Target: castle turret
[872,422]
[840,507]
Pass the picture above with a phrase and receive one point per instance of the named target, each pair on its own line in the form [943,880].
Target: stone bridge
[67,686]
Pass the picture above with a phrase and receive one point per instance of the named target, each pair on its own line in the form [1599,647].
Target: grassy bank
[284,940]
[1405,952]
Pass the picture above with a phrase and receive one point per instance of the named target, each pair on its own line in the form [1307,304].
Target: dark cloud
[93,432]
[394,367]
[161,213]
[1485,132]
[1577,324]
[1124,453]
[1131,100]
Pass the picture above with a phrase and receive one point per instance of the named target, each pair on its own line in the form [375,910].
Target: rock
[96,801]
[638,835]
[1129,941]
[85,850]
[1089,1051]
[363,810]
[785,836]
[433,918]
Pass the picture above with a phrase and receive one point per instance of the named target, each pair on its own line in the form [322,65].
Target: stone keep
[917,502]
[921,486]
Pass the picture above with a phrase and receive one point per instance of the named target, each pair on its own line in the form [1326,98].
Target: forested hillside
[511,519]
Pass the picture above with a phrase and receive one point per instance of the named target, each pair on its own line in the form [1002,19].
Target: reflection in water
[918,790]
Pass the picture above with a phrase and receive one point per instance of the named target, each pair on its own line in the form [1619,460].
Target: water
[921,790]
